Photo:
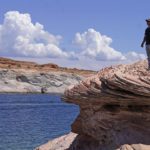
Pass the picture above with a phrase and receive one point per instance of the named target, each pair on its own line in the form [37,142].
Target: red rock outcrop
[31,77]
[9,63]
[50,65]
[114,105]
[114,109]
[6,63]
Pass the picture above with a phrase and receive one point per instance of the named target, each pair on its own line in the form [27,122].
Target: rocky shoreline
[114,111]
[30,77]
[35,81]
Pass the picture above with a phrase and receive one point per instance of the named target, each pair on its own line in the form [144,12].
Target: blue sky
[122,21]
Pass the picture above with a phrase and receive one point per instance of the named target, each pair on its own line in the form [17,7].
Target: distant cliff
[30,77]
[114,111]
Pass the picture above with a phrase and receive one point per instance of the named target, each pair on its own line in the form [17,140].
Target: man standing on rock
[147,40]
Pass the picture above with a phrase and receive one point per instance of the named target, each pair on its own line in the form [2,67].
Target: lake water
[29,120]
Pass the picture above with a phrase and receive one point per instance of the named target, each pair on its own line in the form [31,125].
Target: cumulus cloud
[93,44]
[134,56]
[20,37]
[97,46]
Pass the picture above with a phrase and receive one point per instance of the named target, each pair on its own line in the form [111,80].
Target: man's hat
[147,20]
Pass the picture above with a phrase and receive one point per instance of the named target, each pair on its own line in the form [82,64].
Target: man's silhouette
[147,40]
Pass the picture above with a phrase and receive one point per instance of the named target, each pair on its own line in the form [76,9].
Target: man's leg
[148,55]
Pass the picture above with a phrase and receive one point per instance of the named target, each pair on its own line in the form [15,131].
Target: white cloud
[93,44]
[134,56]
[20,37]
[96,46]
[82,63]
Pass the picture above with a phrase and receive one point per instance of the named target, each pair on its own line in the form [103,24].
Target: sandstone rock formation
[13,64]
[29,77]
[60,143]
[114,109]
[33,81]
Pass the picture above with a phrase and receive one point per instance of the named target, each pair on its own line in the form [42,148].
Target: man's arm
[144,40]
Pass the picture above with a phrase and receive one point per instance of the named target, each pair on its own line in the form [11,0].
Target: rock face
[29,77]
[114,109]
[36,81]
[60,143]
[6,63]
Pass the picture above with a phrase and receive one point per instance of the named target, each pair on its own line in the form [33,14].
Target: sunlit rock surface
[30,77]
[114,109]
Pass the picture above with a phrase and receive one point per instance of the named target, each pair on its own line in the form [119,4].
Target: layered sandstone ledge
[30,77]
[114,110]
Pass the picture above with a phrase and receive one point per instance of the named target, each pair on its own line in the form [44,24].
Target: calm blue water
[27,121]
